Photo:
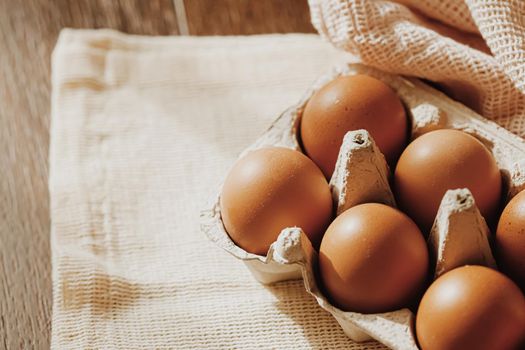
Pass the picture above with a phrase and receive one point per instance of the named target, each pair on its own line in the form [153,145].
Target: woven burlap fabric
[143,130]
[476,51]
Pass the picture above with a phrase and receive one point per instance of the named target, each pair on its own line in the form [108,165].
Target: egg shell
[373,258]
[393,329]
[510,239]
[350,103]
[428,109]
[270,189]
[471,307]
[441,160]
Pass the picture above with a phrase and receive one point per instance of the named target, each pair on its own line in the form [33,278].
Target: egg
[349,103]
[373,258]
[441,160]
[510,239]
[269,190]
[471,307]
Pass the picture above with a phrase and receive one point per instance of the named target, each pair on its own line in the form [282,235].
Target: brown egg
[441,160]
[269,190]
[349,103]
[373,258]
[510,239]
[471,307]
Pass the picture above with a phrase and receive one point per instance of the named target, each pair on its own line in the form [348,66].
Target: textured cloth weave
[478,56]
[143,129]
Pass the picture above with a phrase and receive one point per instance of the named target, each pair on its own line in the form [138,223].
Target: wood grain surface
[234,17]
[28,32]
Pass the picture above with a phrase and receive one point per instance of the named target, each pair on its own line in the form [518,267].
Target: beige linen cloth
[474,48]
[143,130]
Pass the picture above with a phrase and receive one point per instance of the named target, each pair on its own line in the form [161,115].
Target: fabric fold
[439,41]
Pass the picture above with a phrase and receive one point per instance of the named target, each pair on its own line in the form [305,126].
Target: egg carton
[459,235]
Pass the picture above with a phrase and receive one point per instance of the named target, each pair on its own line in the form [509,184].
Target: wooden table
[28,32]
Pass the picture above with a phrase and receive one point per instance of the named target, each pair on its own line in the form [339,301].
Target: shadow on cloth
[319,327]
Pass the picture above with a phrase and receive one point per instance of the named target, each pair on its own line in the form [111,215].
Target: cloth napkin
[474,49]
[143,130]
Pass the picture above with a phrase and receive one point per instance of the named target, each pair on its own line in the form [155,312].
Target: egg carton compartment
[361,175]
[460,236]
[393,329]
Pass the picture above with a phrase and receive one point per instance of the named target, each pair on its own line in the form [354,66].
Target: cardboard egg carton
[361,173]
[459,235]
